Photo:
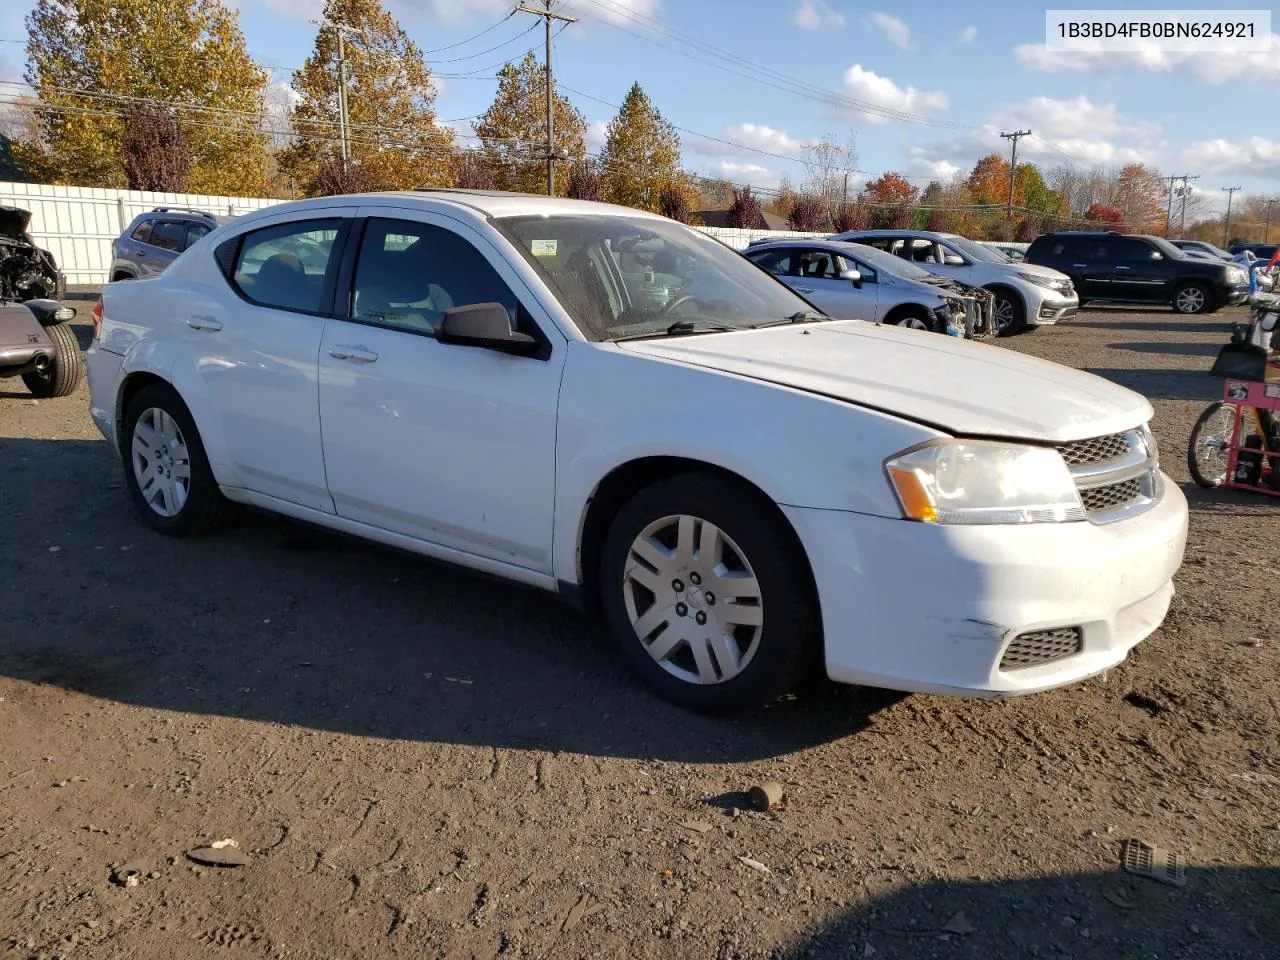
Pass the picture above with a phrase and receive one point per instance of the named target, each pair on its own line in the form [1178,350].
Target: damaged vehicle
[36,339]
[854,282]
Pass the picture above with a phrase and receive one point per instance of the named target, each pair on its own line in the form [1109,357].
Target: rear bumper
[17,359]
[104,371]
[917,607]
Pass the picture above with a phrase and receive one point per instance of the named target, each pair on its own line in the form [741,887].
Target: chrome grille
[1099,499]
[1097,450]
[1042,646]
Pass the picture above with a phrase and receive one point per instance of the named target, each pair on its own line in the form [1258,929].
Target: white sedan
[604,403]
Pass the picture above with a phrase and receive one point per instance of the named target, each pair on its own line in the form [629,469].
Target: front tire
[64,374]
[1192,298]
[917,319]
[165,465]
[1207,448]
[708,592]
[1010,313]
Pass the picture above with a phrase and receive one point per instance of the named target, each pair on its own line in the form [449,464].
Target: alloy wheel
[1004,314]
[693,600]
[1189,300]
[161,462]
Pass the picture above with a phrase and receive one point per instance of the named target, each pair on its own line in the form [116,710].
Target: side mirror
[852,275]
[484,325]
[953,260]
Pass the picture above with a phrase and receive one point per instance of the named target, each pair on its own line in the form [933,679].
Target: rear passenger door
[255,348]
[453,445]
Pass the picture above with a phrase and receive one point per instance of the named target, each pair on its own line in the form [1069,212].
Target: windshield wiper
[800,316]
[681,328]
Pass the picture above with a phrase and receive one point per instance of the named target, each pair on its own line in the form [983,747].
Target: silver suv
[1027,296]
[849,281]
[155,239]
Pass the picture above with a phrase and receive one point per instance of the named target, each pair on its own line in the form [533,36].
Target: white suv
[1027,296]
[601,402]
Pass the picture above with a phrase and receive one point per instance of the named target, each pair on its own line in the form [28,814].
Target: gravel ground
[418,762]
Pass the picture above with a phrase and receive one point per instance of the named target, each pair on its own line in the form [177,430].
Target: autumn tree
[674,203]
[988,182]
[745,211]
[1032,192]
[513,130]
[808,213]
[87,59]
[471,171]
[932,194]
[155,150]
[1140,197]
[851,216]
[1028,229]
[334,177]
[641,153]
[829,169]
[782,203]
[890,188]
[584,181]
[1100,215]
[390,101]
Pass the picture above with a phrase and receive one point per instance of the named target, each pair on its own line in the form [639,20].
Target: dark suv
[154,240]
[1137,268]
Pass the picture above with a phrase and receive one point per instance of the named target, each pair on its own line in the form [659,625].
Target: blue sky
[971,69]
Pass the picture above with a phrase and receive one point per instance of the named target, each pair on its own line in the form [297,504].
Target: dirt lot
[421,763]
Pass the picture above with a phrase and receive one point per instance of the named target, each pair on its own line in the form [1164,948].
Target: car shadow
[1171,348]
[1157,384]
[1220,913]
[277,622]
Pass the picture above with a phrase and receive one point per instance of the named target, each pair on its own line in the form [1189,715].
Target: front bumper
[932,609]
[1231,296]
[1054,310]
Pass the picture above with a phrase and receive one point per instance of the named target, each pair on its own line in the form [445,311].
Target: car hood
[956,385]
[1036,270]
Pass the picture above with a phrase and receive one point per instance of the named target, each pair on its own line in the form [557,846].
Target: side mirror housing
[485,325]
[952,260]
[852,275]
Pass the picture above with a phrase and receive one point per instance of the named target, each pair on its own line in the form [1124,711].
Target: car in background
[1026,297]
[1138,268]
[1015,251]
[27,271]
[1260,251]
[1245,259]
[609,405]
[854,282]
[155,239]
[1203,248]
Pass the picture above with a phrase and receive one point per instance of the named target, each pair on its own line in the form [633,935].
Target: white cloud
[764,138]
[816,15]
[899,33]
[872,88]
[752,173]
[613,11]
[968,34]
[1077,117]
[302,11]
[1212,68]
[596,133]
[1251,157]
[944,171]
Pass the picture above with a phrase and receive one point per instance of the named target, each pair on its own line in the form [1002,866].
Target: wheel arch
[620,485]
[901,310]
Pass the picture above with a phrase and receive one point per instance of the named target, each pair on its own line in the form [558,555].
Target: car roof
[836,246]
[486,203]
[928,234]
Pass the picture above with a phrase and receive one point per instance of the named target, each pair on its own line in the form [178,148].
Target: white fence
[77,224]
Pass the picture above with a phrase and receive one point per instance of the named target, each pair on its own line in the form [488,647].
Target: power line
[481,53]
[477,36]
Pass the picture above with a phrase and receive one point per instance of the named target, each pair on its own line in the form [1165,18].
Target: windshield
[1167,248]
[620,276]
[889,263]
[977,251]
[1216,251]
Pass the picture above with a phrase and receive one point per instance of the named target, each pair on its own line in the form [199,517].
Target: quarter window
[142,232]
[284,266]
[408,274]
[194,232]
[168,235]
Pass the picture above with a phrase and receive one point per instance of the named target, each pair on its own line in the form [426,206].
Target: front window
[880,260]
[977,251]
[621,276]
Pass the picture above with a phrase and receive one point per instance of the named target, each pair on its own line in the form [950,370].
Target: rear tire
[64,374]
[1206,450]
[166,468]
[708,593]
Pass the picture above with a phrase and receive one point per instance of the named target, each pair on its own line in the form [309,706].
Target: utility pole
[548,16]
[1266,234]
[1182,192]
[1168,212]
[1013,163]
[344,121]
[1226,224]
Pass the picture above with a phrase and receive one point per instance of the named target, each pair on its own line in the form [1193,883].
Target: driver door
[450,444]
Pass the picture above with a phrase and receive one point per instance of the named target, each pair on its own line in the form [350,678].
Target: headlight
[1049,283]
[1235,275]
[980,481]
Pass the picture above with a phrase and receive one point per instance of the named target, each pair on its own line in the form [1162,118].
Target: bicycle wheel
[1209,444]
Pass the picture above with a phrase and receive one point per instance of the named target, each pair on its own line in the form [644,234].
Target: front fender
[800,449]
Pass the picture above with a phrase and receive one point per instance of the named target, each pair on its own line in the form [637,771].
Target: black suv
[1137,268]
[153,240]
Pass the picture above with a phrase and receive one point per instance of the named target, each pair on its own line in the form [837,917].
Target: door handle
[203,323]
[1081,266]
[354,354]
[1121,268]
[804,289]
